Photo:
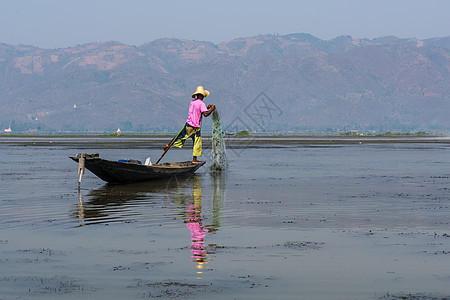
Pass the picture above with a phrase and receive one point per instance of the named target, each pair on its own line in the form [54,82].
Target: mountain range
[266,83]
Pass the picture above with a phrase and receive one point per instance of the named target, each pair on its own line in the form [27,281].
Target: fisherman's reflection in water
[194,218]
[194,223]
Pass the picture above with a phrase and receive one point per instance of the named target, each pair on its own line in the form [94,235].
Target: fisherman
[197,109]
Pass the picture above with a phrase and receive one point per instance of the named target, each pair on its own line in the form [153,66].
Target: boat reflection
[113,203]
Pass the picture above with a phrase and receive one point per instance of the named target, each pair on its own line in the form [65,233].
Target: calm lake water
[288,220]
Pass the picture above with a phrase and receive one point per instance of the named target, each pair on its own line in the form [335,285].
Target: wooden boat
[131,170]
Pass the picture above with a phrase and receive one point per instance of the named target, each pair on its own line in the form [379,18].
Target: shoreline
[231,141]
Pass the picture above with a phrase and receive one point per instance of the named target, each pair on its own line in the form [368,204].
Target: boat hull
[124,172]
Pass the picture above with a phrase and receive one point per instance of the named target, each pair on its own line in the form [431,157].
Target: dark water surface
[286,221]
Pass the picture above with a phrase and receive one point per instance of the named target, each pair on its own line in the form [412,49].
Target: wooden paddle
[170,145]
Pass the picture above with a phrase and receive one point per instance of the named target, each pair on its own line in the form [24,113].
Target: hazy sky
[65,23]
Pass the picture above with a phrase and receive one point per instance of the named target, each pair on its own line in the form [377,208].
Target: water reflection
[192,213]
[194,223]
[218,183]
[80,211]
[113,203]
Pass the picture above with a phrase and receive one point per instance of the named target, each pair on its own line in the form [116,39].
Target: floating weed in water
[299,245]
[218,155]
[173,289]
[38,285]
[419,296]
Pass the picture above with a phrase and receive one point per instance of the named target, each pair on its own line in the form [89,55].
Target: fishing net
[218,154]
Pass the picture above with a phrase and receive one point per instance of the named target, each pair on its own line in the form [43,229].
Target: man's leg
[180,138]
[197,150]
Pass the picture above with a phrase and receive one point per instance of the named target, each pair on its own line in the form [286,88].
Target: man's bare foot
[166,147]
[197,162]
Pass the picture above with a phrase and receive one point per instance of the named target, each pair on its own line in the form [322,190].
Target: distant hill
[293,82]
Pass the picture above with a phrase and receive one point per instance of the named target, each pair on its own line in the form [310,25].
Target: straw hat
[200,90]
